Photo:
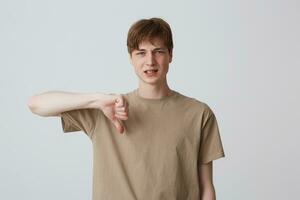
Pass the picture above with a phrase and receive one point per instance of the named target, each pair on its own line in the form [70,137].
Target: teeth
[151,71]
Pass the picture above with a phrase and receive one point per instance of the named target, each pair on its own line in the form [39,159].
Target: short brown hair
[148,29]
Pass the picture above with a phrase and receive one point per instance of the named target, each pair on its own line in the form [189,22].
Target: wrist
[97,100]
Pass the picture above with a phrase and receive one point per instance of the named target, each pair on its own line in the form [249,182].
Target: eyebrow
[158,48]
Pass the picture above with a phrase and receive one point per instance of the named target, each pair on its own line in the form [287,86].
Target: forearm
[53,103]
[208,193]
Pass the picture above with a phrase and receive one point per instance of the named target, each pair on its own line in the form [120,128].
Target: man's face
[151,62]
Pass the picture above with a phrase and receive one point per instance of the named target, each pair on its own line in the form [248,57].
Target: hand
[115,108]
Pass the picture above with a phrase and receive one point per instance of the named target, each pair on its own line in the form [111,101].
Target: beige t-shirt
[158,156]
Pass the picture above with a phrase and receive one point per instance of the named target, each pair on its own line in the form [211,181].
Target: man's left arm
[206,182]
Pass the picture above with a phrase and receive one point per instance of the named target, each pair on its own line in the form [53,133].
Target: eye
[160,51]
[140,53]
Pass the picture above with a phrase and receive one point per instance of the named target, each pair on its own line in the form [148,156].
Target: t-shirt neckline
[148,100]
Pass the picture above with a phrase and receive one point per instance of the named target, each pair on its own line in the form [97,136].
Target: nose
[150,59]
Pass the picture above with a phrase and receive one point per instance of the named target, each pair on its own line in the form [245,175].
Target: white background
[240,57]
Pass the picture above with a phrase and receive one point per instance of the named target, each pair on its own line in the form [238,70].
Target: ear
[130,59]
[171,57]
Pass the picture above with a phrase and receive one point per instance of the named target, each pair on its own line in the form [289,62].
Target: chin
[152,82]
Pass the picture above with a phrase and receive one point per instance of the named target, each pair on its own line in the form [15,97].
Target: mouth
[152,71]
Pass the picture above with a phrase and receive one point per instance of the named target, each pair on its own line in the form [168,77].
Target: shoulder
[195,104]
[129,96]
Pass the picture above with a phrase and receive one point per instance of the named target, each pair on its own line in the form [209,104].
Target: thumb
[119,125]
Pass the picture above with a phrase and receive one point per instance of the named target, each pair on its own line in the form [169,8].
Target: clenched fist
[115,108]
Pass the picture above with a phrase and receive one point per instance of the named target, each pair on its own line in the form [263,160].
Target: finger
[119,102]
[121,117]
[121,113]
[125,107]
[120,109]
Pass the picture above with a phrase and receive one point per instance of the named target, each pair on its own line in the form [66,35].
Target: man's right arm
[53,103]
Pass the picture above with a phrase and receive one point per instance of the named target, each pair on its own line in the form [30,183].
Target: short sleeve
[211,147]
[80,120]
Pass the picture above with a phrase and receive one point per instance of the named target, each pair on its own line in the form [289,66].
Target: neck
[153,91]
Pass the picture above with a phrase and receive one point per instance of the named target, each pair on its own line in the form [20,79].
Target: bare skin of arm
[53,103]
[206,182]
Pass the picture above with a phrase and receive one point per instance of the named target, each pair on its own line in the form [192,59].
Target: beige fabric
[158,156]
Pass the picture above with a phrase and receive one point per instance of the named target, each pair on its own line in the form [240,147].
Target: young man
[168,140]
